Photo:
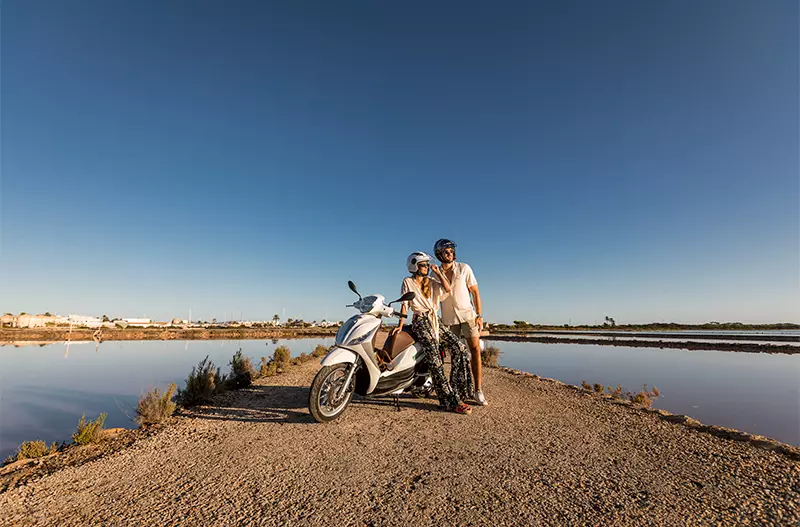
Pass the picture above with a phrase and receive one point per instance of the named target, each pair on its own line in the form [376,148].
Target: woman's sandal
[463,409]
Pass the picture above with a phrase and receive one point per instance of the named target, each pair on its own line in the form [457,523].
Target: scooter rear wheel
[322,400]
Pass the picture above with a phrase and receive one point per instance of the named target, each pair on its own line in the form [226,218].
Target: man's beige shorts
[466,330]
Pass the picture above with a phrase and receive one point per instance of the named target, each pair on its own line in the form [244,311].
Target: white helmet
[416,258]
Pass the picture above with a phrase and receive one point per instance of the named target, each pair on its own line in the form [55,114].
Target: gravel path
[542,453]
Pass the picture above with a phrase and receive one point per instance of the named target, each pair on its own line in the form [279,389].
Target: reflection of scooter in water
[357,365]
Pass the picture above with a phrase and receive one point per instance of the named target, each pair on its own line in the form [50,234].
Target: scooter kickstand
[397,403]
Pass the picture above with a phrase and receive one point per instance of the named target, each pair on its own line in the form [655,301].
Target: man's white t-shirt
[457,307]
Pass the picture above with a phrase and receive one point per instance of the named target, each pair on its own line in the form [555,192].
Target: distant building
[138,320]
[84,320]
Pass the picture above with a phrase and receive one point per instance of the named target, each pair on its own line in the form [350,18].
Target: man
[464,317]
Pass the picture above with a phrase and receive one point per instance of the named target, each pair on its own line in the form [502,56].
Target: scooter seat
[394,345]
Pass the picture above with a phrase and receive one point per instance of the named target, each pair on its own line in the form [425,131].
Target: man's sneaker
[480,398]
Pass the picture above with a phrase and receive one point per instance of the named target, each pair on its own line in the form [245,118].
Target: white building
[85,320]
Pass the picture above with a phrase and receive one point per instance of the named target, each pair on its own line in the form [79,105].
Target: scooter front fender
[339,355]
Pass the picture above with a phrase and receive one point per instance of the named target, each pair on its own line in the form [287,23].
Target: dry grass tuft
[155,407]
[490,356]
[644,397]
[319,352]
[267,368]
[89,431]
[32,450]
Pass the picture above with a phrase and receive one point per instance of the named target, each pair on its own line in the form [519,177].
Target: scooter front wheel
[323,400]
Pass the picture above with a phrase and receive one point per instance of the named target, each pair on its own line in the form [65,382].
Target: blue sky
[631,159]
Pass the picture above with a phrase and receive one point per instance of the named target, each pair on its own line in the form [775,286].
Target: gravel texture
[541,453]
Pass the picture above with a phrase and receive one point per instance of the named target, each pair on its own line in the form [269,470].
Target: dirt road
[542,453]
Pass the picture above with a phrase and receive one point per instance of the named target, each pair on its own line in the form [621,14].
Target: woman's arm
[403,311]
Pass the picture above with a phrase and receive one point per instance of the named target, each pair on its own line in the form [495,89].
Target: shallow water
[44,389]
[754,392]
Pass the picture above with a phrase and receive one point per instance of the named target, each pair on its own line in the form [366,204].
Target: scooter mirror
[411,295]
[352,287]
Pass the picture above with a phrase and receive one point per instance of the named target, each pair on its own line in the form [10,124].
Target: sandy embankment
[541,453]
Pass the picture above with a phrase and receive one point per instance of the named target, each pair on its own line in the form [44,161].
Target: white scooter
[356,364]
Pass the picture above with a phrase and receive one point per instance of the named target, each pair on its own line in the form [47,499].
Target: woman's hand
[435,268]
[394,331]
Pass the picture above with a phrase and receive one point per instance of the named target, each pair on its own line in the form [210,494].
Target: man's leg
[475,349]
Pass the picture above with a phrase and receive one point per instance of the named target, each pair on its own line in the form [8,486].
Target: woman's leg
[424,334]
[460,372]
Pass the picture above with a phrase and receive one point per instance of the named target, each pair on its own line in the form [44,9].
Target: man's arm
[476,301]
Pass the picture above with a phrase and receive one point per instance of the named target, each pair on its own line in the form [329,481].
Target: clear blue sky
[631,159]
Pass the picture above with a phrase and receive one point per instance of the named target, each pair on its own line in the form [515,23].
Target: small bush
[319,352]
[586,386]
[300,359]
[220,382]
[242,371]
[201,384]
[616,392]
[644,397]
[32,450]
[155,407]
[267,368]
[598,388]
[490,356]
[282,358]
[89,431]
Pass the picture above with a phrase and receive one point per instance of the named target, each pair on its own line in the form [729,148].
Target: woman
[436,338]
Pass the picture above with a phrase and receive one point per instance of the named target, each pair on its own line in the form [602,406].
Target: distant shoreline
[10,335]
[743,347]
[659,334]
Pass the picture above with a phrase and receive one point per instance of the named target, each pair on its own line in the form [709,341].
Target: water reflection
[46,389]
[754,392]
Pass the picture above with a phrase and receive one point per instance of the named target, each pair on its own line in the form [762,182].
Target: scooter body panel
[338,355]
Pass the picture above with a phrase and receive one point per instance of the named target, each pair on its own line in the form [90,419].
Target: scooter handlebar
[399,315]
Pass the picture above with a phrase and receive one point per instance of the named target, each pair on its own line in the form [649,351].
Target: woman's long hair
[426,286]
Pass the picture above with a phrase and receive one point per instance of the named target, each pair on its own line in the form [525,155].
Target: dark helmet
[441,245]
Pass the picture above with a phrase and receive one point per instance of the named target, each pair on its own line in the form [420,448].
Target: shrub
[319,352]
[490,356]
[242,371]
[267,368]
[586,386]
[89,431]
[155,407]
[32,450]
[282,358]
[644,397]
[300,359]
[598,388]
[201,384]
[616,392]
[220,383]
